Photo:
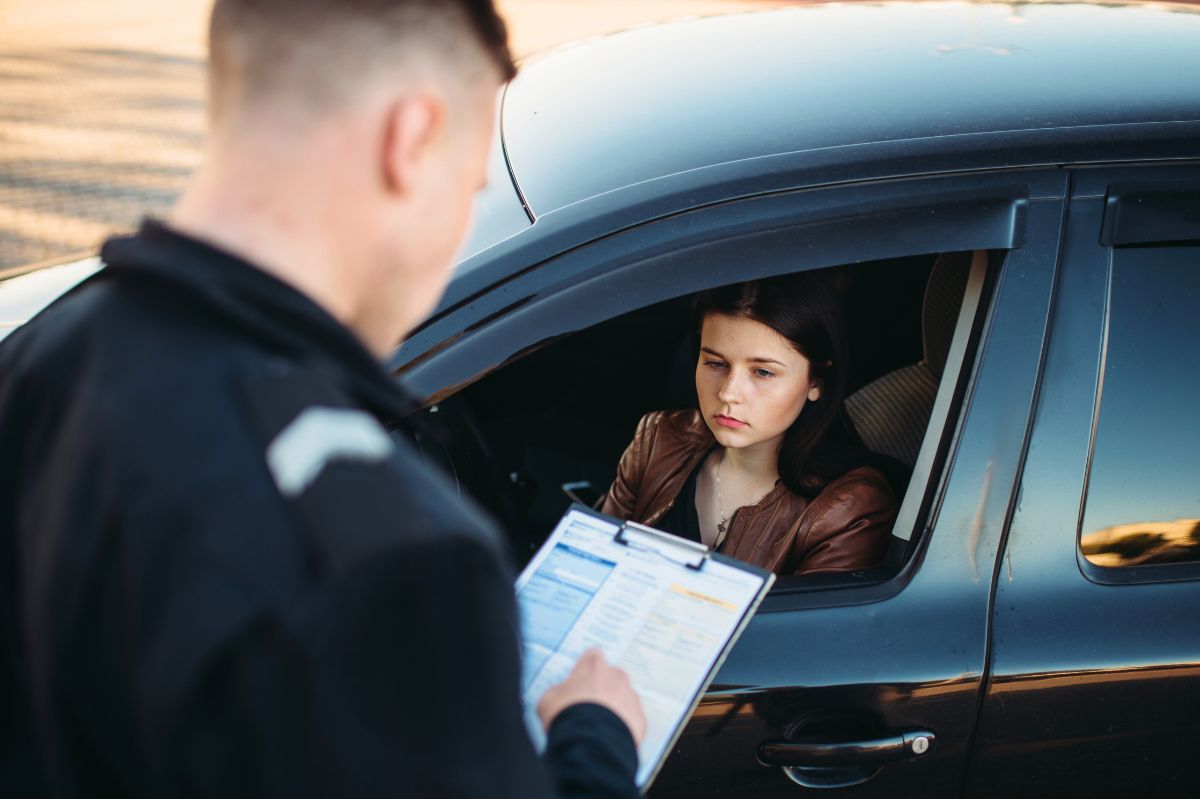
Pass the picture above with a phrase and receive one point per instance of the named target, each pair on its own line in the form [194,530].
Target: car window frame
[1124,189]
[895,218]
[968,212]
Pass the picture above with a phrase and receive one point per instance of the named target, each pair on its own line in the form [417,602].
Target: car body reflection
[1142,543]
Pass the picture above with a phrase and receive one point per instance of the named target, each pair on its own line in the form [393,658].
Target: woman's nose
[730,391]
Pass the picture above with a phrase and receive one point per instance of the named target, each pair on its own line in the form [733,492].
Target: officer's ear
[414,125]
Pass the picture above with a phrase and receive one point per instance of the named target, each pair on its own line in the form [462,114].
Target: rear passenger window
[1143,500]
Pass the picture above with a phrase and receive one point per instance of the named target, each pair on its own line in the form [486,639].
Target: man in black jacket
[221,574]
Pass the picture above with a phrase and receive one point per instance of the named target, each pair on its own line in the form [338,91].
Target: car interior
[548,429]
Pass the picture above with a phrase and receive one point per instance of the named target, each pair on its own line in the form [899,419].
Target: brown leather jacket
[846,527]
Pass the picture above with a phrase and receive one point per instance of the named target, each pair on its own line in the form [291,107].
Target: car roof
[666,99]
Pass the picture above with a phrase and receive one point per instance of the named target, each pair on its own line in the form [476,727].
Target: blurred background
[102,104]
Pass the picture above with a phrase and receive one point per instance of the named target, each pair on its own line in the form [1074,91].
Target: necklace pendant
[720,527]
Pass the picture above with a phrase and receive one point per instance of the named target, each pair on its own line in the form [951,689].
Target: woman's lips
[729,421]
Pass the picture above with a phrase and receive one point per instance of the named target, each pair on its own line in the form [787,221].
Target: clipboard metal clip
[696,555]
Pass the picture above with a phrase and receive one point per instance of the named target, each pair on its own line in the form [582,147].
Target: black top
[221,576]
[682,519]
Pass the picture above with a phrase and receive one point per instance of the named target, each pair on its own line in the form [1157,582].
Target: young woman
[761,471]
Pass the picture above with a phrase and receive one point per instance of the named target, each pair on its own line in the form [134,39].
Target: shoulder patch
[319,436]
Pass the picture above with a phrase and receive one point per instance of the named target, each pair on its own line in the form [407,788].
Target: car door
[873,691]
[844,685]
[1094,687]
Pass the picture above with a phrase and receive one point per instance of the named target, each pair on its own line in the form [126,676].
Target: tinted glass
[1143,502]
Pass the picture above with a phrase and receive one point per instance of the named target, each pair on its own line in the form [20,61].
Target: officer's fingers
[581,685]
[594,680]
[590,663]
[622,699]
[594,672]
[549,706]
[610,686]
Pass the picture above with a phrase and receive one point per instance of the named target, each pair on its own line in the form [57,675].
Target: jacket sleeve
[403,679]
[847,527]
[622,497]
[590,752]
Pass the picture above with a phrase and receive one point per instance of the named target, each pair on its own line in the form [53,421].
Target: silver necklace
[721,503]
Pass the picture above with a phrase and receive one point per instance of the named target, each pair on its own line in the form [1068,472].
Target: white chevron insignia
[321,435]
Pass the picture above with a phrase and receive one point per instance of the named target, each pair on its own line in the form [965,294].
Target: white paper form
[637,600]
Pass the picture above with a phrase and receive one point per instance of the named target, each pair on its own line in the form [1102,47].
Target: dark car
[1008,198]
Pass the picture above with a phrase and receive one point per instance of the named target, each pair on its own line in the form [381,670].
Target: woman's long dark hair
[804,309]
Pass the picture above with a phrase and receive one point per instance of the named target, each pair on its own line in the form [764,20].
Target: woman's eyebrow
[711,351]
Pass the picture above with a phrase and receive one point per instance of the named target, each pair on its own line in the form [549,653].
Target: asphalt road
[102,105]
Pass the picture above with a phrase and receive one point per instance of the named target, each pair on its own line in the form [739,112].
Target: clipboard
[665,609]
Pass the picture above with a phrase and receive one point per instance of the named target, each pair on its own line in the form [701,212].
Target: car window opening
[563,414]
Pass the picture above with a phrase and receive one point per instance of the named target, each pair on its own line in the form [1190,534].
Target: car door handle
[845,753]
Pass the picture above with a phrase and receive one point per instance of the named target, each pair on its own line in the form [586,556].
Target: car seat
[891,413]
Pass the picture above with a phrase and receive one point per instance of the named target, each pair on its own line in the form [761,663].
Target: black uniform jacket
[222,573]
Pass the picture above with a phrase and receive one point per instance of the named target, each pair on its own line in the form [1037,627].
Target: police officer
[219,574]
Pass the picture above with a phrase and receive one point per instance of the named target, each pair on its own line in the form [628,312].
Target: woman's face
[751,382]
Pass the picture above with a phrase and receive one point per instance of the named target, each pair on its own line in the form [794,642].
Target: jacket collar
[243,295]
[691,429]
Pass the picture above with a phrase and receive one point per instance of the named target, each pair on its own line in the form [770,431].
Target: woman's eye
[763,373]
[715,364]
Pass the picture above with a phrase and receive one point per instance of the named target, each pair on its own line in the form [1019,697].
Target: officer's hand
[594,680]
